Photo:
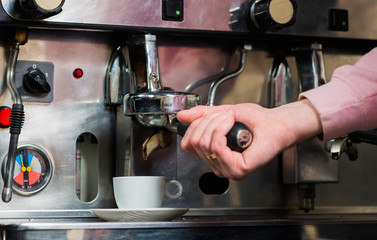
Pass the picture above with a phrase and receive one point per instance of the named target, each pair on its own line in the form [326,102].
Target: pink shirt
[349,101]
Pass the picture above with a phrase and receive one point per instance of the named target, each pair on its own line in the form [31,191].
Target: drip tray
[196,224]
[255,229]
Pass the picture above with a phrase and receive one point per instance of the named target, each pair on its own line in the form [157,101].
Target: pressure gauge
[33,170]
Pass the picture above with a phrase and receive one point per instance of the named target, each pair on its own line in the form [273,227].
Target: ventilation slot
[87,163]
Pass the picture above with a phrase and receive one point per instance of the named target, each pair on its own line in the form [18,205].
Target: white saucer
[139,215]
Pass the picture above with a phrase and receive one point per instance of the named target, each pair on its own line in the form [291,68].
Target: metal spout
[310,66]
[282,87]
[343,145]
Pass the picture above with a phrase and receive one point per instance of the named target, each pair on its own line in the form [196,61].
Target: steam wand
[17,114]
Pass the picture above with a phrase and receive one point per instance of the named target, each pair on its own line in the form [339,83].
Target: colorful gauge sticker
[32,170]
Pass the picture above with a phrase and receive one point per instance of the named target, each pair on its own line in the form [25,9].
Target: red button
[4,116]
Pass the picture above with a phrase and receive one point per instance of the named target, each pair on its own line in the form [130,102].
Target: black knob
[35,82]
[39,9]
[273,15]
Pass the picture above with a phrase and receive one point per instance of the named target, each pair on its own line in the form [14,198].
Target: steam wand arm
[16,117]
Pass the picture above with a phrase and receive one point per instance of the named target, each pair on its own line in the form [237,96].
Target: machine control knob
[273,15]
[35,82]
[39,9]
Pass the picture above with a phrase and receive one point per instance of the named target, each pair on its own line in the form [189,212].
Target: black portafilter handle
[238,138]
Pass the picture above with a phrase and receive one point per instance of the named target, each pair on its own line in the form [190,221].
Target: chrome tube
[153,71]
[11,73]
[221,74]
[217,83]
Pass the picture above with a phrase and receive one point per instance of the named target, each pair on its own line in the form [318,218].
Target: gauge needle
[35,161]
[29,168]
[23,169]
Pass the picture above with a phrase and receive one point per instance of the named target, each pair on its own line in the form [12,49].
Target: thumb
[190,115]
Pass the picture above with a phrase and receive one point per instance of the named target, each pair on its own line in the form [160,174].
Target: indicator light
[4,116]
[78,73]
[338,20]
[172,10]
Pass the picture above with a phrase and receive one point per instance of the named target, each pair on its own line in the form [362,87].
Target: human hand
[273,131]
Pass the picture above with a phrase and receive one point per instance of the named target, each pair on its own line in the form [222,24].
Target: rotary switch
[273,15]
[35,82]
[39,9]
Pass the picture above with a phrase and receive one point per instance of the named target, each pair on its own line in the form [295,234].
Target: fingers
[272,133]
[206,136]
[198,137]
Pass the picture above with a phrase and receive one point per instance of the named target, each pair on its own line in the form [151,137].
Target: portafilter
[157,107]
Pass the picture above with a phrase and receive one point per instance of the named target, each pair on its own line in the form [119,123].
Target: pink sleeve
[349,101]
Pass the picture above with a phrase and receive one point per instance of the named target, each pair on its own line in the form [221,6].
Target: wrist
[303,120]
[309,121]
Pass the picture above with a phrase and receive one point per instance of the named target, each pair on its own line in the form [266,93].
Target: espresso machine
[92,89]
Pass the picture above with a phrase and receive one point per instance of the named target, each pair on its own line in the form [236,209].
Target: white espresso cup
[143,191]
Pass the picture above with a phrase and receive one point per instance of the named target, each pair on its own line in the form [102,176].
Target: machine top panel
[317,18]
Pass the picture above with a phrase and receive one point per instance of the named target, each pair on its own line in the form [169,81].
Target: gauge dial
[32,170]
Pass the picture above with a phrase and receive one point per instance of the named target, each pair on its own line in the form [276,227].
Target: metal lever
[238,138]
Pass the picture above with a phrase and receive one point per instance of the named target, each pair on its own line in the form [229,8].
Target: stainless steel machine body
[229,16]
[77,108]
[87,138]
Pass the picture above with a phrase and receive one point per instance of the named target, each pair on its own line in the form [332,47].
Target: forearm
[349,102]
